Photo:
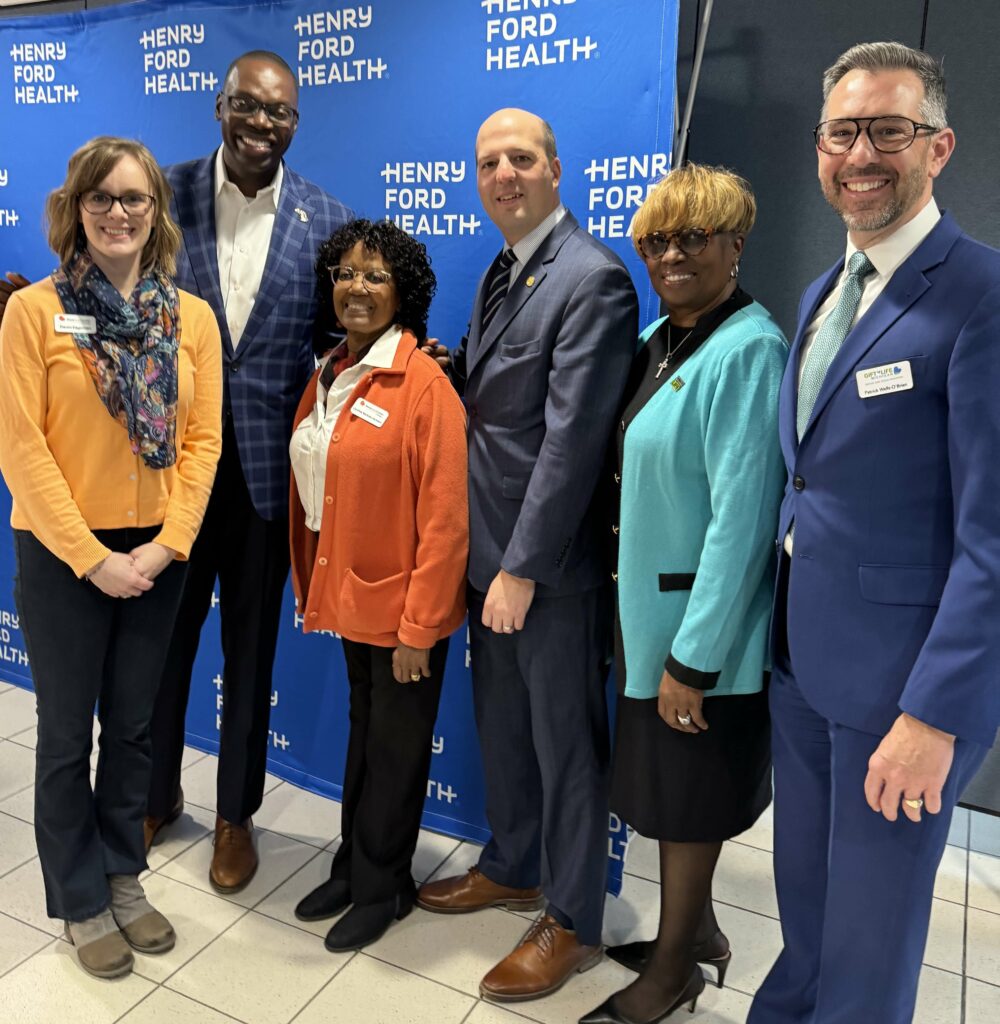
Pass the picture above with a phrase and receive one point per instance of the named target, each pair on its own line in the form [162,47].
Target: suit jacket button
[234,367]
[798,483]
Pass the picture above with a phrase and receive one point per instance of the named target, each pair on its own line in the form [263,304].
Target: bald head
[518,171]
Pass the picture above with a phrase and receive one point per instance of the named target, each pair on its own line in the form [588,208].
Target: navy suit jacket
[264,379]
[542,388]
[894,588]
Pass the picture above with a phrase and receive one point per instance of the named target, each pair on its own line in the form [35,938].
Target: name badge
[74,323]
[370,413]
[883,380]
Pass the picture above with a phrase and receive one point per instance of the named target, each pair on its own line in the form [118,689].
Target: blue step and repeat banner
[391,95]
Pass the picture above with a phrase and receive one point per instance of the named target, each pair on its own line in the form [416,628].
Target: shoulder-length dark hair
[406,258]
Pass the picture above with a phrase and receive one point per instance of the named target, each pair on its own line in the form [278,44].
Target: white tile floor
[246,958]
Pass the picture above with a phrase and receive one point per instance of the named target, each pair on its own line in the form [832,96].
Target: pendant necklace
[671,350]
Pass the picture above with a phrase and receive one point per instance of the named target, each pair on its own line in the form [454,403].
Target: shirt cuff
[692,677]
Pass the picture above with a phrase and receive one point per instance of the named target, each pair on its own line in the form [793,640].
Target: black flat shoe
[606,1013]
[366,923]
[635,955]
[326,900]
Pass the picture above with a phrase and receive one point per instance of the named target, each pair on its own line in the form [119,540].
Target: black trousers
[385,779]
[87,648]
[249,556]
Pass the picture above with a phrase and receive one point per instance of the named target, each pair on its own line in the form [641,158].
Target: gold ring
[915,804]
[414,677]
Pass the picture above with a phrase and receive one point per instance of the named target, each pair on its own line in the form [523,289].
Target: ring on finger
[683,719]
[914,804]
[508,629]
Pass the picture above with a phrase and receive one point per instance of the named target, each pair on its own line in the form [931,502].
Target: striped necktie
[830,337]
[498,285]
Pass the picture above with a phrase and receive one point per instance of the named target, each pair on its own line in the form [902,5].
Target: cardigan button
[335,438]
[329,499]
[314,615]
[322,561]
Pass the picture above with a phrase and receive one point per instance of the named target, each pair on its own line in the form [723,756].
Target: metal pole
[681,138]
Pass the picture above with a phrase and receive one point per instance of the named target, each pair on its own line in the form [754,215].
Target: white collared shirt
[887,256]
[311,438]
[528,245]
[242,238]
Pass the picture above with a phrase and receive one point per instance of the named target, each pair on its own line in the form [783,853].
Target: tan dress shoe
[542,963]
[234,861]
[151,826]
[462,894]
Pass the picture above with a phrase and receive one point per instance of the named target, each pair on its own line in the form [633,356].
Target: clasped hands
[131,574]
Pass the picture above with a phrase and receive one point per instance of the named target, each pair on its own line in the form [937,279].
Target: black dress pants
[249,556]
[385,779]
[87,648]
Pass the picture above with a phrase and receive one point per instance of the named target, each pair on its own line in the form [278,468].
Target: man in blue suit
[885,694]
[251,229]
[542,369]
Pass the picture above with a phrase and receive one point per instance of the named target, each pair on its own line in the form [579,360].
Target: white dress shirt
[528,245]
[887,256]
[311,438]
[242,238]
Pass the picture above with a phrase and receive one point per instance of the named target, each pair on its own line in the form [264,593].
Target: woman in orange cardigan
[110,430]
[380,541]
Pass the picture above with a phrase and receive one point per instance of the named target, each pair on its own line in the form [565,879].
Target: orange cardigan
[68,464]
[388,564]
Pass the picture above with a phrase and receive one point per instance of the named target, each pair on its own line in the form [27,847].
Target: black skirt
[685,788]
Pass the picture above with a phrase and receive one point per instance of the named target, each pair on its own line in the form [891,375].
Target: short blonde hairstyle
[87,168]
[696,196]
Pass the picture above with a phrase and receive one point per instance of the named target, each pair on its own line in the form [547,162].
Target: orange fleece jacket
[69,465]
[388,565]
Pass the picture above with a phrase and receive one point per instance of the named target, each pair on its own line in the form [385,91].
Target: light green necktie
[830,337]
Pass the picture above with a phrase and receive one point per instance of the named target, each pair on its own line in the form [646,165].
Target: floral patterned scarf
[132,358]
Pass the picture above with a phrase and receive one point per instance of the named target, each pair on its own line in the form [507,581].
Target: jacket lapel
[520,292]
[197,222]
[291,226]
[905,286]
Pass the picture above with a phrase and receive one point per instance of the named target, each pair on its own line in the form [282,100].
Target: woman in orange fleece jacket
[380,539]
[110,430]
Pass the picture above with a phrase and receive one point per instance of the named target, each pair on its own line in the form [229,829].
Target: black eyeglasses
[890,134]
[369,278]
[277,113]
[96,202]
[691,242]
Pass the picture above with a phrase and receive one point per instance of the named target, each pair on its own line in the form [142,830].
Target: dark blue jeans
[87,648]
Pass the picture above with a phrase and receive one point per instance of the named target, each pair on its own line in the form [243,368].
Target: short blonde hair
[696,196]
[87,168]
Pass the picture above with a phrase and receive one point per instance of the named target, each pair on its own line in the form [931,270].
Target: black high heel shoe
[635,955]
[606,1013]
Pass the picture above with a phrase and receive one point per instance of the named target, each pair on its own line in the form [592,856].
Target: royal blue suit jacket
[542,388]
[264,378]
[894,588]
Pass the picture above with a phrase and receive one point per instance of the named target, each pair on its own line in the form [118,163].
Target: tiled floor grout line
[42,949]
[336,974]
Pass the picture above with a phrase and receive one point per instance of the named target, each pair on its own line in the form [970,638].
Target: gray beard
[907,192]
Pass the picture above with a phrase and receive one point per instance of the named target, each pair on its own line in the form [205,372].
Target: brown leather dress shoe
[151,826]
[462,894]
[544,961]
[234,861]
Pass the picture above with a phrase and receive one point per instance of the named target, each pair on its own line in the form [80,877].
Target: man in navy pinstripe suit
[542,370]
[251,230]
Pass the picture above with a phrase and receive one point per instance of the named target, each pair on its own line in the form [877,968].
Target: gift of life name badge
[373,414]
[884,380]
[75,323]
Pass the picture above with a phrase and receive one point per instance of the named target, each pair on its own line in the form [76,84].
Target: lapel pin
[530,281]
[301,214]
[677,383]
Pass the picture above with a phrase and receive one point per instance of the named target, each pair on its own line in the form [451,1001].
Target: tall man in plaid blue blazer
[251,230]
[542,370]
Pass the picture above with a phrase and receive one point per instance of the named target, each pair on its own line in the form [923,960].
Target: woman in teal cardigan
[700,475]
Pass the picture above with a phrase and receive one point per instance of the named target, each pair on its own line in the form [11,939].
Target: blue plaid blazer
[265,377]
